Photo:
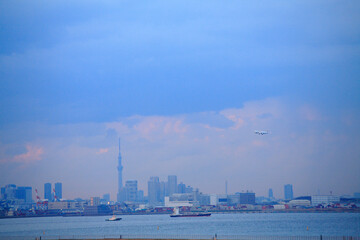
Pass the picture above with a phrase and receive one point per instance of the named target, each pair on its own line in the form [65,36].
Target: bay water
[241,224]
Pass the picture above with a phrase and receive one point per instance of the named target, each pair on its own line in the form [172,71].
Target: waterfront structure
[247,198]
[8,192]
[271,194]
[58,190]
[58,205]
[94,201]
[288,192]
[300,202]
[120,195]
[324,199]
[47,192]
[172,184]
[12,192]
[131,187]
[154,191]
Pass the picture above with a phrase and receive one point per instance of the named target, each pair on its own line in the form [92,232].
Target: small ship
[199,214]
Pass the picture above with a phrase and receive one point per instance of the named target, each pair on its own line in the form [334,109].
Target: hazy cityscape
[162,197]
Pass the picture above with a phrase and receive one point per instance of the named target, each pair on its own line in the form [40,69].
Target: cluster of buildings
[16,194]
[162,197]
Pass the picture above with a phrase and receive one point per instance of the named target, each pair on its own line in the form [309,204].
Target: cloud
[33,154]
[254,112]
[194,146]
[309,113]
[102,150]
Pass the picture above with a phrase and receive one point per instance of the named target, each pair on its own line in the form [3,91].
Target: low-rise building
[179,200]
[324,199]
[299,202]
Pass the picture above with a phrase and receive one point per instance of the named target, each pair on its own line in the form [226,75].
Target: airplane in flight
[261,132]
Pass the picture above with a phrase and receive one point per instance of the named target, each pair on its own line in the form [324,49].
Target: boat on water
[191,214]
[113,218]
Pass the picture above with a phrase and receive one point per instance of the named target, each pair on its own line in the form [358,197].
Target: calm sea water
[254,224]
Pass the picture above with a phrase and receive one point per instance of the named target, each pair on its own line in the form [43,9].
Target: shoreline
[212,212]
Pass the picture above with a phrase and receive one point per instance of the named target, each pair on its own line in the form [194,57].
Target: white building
[324,199]
[300,202]
[174,203]
[179,200]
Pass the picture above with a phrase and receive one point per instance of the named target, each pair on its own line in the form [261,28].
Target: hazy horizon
[184,84]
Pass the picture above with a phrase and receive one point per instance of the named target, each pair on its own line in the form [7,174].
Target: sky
[184,84]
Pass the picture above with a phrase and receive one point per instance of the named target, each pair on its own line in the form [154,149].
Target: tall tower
[47,191]
[288,192]
[172,184]
[119,168]
[271,194]
[58,190]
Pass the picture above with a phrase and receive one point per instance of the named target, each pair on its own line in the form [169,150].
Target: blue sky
[184,84]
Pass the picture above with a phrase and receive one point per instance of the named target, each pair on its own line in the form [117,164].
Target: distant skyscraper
[288,192]
[162,190]
[181,188]
[271,194]
[120,184]
[106,197]
[154,190]
[47,191]
[24,193]
[8,192]
[58,190]
[172,184]
[11,192]
[140,196]
[131,190]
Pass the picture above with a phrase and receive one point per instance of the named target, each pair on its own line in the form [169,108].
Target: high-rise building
[288,192]
[131,190]
[172,184]
[8,192]
[12,192]
[120,184]
[181,188]
[271,194]
[140,196]
[58,190]
[154,190]
[47,191]
[24,193]
[189,189]
[162,190]
[106,197]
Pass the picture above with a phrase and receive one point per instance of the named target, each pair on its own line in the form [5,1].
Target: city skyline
[184,85]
